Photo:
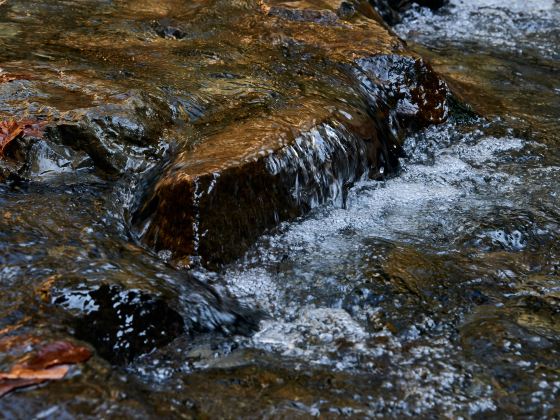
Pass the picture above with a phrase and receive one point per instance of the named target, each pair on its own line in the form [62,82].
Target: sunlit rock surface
[347,92]
[263,110]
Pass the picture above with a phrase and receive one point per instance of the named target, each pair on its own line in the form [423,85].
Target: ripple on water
[513,25]
[381,284]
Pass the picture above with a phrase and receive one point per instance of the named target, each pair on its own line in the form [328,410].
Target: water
[430,293]
[439,285]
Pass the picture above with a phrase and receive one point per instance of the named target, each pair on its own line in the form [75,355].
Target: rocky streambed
[279,208]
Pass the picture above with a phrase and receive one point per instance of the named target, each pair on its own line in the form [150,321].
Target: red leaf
[20,372]
[49,363]
[10,385]
[11,129]
[58,353]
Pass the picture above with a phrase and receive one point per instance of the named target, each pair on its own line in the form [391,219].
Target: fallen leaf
[11,129]
[51,362]
[10,385]
[19,372]
[57,353]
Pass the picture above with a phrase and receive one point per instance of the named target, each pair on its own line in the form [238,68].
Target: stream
[432,293]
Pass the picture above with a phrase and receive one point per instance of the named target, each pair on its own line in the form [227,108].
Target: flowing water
[434,292]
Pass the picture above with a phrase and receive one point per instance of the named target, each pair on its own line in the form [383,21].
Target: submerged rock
[123,324]
[391,10]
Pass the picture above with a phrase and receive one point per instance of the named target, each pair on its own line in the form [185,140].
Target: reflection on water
[433,293]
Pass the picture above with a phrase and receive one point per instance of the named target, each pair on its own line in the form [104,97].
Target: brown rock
[272,108]
[215,199]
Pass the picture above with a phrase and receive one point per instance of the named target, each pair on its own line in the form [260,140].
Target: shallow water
[433,293]
[441,283]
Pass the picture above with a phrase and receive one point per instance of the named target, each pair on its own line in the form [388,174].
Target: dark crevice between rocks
[391,10]
[123,324]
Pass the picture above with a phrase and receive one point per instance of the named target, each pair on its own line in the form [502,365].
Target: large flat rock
[215,199]
[235,114]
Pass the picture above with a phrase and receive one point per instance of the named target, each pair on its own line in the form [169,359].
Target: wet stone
[215,199]
[235,115]
[118,137]
[122,324]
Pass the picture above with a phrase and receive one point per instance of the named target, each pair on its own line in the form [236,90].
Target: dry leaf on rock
[19,372]
[57,353]
[8,386]
[9,131]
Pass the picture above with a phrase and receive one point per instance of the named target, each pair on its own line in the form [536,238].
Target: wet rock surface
[125,323]
[122,324]
[262,115]
[213,201]
[428,294]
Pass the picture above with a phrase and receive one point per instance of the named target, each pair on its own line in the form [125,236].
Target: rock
[118,136]
[123,324]
[214,200]
[236,114]
[119,130]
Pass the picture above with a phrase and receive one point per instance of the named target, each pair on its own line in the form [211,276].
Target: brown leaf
[11,129]
[51,362]
[20,372]
[58,353]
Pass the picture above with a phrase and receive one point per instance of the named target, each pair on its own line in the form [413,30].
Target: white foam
[515,25]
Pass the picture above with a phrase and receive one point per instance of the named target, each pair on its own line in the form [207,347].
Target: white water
[460,191]
[516,25]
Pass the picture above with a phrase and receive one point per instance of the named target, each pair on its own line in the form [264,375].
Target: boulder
[125,323]
[228,116]
[215,199]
